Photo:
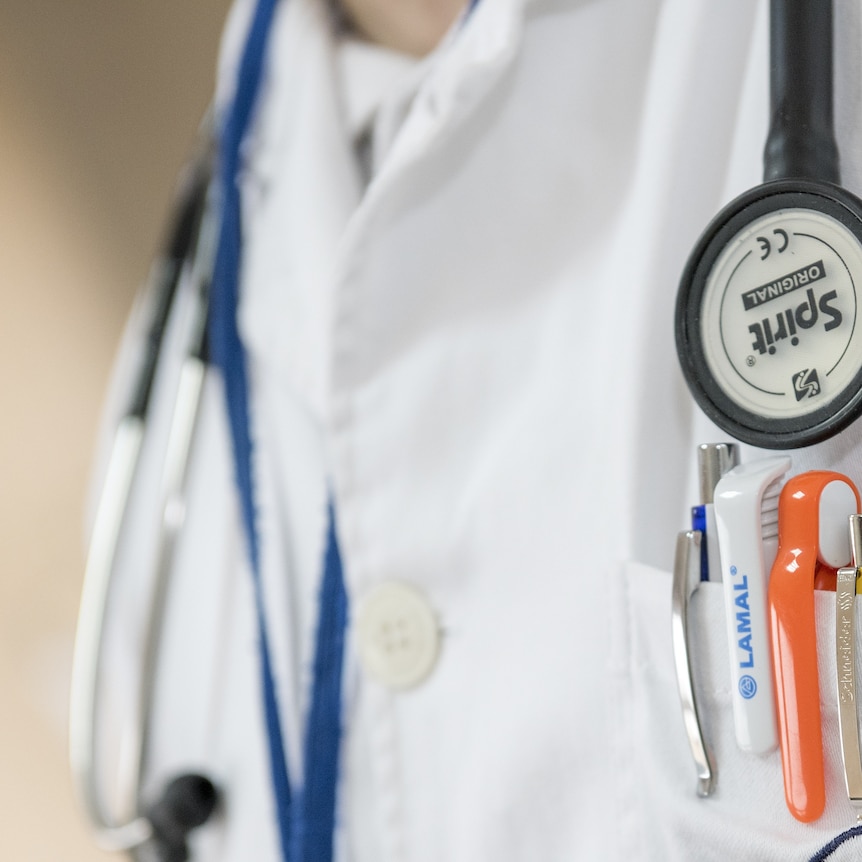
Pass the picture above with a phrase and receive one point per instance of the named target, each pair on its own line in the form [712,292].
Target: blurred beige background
[99,101]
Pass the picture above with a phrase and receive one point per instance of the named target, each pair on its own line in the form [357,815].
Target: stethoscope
[163,824]
[200,267]
[768,307]
[766,335]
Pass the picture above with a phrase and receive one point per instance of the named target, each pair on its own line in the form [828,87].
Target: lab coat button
[397,635]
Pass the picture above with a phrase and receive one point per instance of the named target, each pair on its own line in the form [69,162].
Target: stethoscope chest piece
[767,316]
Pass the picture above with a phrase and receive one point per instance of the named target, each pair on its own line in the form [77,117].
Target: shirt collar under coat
[303,201]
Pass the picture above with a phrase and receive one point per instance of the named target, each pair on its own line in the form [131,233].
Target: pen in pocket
[746,502]
[686,577]
[713,461]
[691,566]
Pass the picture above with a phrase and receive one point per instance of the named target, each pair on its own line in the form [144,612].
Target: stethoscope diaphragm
[767,327]
[767,312]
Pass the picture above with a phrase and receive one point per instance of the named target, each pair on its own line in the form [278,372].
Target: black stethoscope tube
[770,364]
[801,139]
[180,246]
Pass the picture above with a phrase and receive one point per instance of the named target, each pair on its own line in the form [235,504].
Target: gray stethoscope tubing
[189,254]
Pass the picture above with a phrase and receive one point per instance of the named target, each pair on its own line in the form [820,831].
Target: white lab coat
[476,355]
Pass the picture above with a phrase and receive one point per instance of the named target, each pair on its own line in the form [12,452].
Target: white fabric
[476,352]
[376,86]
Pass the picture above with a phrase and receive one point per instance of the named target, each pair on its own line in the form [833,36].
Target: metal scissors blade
[845,656]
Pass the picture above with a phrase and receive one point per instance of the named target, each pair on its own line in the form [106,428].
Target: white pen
[746,514]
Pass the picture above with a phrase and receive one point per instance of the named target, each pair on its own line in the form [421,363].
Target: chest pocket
[746,817]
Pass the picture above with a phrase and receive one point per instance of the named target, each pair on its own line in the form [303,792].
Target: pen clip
[686,578]
[845,657]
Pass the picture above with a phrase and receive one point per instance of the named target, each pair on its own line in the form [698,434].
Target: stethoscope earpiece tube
[801,139]
[133,828]
[180,246]
[768,306]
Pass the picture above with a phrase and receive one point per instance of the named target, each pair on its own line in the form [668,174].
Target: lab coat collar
[461,72]
[299,149]
[300,187]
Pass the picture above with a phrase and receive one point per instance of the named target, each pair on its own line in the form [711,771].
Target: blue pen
[692,565]
[713,461]
[698,523]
